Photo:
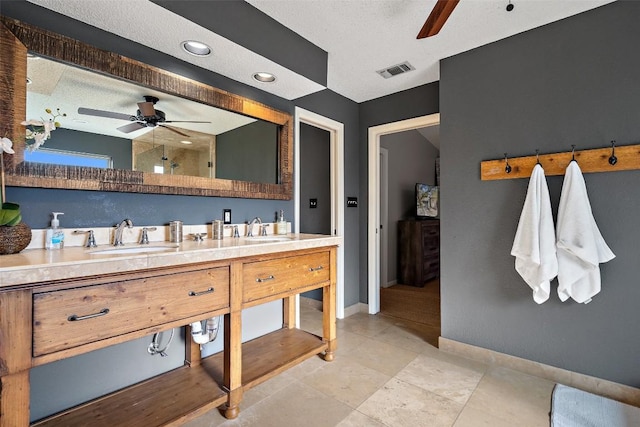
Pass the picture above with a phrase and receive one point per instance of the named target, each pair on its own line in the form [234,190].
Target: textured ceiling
[360,36]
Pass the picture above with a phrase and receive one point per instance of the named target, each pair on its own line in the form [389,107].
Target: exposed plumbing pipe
[206,330]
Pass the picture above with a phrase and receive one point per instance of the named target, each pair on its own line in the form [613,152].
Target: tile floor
[386,374]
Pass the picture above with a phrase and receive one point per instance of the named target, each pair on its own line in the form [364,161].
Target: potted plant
[14,234]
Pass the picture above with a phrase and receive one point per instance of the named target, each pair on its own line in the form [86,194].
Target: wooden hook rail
[594,160]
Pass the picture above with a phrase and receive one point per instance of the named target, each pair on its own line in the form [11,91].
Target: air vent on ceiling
[394,70]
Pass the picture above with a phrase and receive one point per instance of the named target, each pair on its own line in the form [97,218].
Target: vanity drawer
[68,318]
[265,278]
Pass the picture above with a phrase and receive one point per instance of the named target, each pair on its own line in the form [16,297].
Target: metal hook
[507,168]
[613,159]
[573,152]
[538,157]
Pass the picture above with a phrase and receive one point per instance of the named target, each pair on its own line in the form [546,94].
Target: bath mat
[571,407]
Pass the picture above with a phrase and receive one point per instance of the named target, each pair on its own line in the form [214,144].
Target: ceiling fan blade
[102,113]
[146,108]
[131,127]
[437,18]
[183,121]
[172,129]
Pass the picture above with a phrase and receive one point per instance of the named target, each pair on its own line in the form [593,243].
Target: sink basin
[128,250]
[267,239]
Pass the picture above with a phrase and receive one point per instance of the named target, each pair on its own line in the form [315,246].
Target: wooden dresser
[51,319]
[419,251]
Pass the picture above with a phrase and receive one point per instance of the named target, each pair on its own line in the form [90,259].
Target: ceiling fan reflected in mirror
[146,116]
[438,16]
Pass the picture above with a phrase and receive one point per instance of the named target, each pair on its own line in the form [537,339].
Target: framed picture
[427,200]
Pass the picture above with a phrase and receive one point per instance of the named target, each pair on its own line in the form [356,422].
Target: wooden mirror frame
[17,38]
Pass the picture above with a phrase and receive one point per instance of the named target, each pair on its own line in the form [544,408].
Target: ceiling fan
[146,116]
[437,18]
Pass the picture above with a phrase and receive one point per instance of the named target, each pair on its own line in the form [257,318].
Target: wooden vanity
[49,312]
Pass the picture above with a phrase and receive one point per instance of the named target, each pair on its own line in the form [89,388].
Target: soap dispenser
[282,223]
[55,234]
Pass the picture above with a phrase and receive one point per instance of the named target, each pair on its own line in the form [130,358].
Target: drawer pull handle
[260,279]
[197,294]
[75,317]
[318,268]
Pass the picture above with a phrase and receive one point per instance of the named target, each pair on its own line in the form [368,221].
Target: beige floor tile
[405,338]
[471,417]
[513,396]
[357,419]
[455,381]
[382,357]
[347,381]
[295,405]
[348,342]
[307,367]
[213,418]
[429,387]
[266,389]
[365,324]
[402,404]
[311,320]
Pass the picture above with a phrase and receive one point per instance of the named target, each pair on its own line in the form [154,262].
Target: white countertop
[39,265]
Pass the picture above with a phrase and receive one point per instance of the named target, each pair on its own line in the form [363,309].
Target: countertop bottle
[282,224]
[55,234]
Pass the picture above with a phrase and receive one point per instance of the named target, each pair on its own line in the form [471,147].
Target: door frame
[336,132]
[384,216]
[373,222]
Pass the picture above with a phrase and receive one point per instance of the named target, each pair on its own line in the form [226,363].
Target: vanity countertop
[39,265]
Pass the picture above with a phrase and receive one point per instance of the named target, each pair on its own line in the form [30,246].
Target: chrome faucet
[144,239]
[117,235]
[250,225]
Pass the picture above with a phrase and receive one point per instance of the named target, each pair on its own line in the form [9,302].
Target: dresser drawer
[430,238]
[265,278]
[431,268]
[68,318]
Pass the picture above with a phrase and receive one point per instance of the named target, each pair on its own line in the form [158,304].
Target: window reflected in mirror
[112,123]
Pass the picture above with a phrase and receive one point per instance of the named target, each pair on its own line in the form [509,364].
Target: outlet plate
[226,216]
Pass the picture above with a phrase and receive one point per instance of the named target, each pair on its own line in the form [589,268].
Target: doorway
[374,215]
[336,155]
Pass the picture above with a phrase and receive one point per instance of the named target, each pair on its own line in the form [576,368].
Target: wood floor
[420,306]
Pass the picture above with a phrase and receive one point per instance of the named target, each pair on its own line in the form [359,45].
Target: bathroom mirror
[239,148]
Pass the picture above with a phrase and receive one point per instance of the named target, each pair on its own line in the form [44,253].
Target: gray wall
[412,159]
[545,89]
[248,153]
[315,179]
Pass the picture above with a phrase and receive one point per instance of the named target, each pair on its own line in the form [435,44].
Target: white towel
[581,247]
[535,243]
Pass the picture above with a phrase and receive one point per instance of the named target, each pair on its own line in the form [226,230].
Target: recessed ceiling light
[196,48]
[29,81]
[186,142]
[264,77]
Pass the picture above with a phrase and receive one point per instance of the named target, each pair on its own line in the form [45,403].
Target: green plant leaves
[10,214]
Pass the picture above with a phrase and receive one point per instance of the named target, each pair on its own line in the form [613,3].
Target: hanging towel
[535,243]
[581,247]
